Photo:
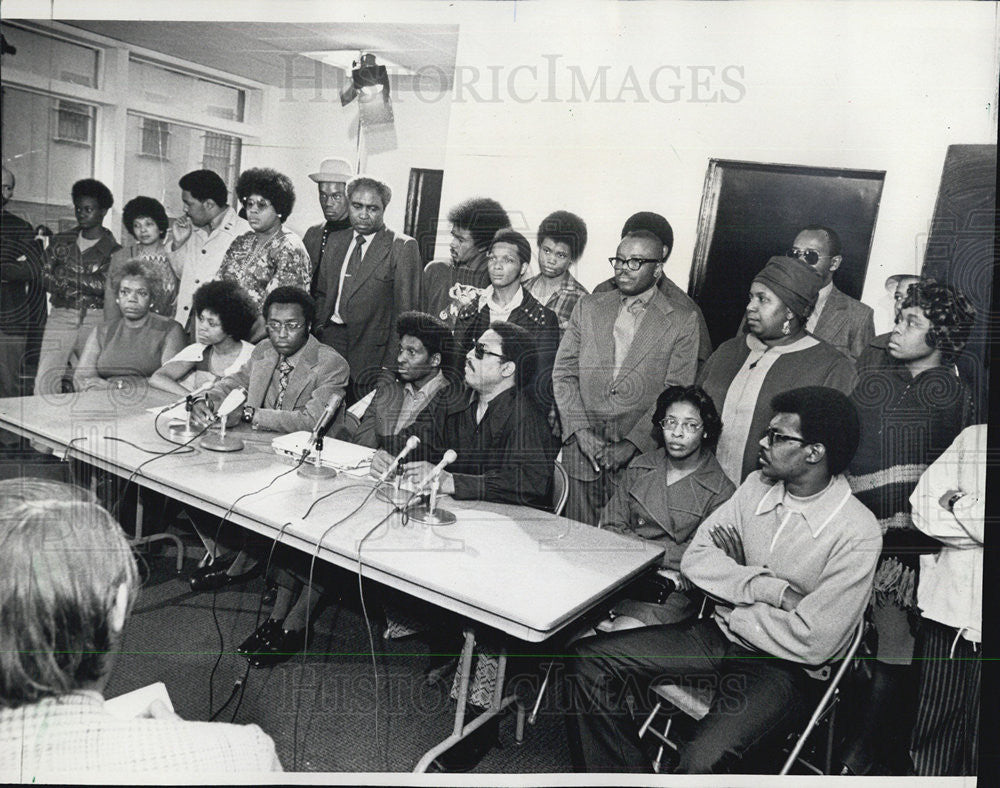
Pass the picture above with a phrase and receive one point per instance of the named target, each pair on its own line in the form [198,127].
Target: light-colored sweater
[824,547]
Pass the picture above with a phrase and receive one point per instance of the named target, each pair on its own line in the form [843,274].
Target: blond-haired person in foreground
[68,581]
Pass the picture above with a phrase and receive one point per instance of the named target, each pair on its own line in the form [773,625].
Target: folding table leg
[139,539]
[497,704]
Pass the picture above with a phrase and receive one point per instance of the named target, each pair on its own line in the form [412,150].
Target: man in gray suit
[844,322]
[331,182]
[619,351]
[368,276]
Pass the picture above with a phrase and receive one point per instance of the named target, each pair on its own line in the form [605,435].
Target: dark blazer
[387,284]
[313,240]
[508,457]
[540,321]
[619,406]
[845,323]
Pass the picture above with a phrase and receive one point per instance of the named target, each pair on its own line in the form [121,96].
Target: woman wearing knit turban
[775,354]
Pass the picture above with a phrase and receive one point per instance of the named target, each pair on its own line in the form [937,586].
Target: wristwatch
[248,411]
[953,500]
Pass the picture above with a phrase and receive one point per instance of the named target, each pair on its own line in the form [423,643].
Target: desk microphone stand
[430,514]
[316,470]
[182,431]
[222,442]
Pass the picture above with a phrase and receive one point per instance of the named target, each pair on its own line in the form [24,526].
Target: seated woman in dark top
[134,346]
[665,494]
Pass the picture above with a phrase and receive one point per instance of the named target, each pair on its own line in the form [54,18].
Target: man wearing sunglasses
[844,322]
[619,351]
[504,445]
[790,561]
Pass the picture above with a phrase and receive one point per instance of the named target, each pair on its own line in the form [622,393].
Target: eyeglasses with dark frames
[774,436]
[632,263]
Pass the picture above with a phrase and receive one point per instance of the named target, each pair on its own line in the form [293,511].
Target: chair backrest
[560,488]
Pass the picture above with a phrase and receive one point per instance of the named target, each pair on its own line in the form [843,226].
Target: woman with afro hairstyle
[268,256]
[224,318]
[911,408]
[146,220]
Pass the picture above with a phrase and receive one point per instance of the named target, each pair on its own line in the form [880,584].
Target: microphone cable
[177,449]
[308,591]
[241,684]
[215,592]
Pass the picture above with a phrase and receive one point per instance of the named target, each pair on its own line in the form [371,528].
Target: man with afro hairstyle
[474,222]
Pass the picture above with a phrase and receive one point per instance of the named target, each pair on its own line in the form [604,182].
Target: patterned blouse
[260,266]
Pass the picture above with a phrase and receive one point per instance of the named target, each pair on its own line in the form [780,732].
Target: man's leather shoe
[280,646]
[215,575]
[464,756]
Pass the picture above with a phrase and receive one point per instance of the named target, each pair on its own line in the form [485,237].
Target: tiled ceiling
[259,50]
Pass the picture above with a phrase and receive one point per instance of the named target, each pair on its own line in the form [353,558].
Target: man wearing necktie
[368,276]
[619,351]
[331,182]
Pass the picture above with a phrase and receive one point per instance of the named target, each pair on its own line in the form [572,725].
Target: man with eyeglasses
[505,449]
[331,182]
[790,560]
[289,379]
[507,300]
[844,322]
[619,351]
[660,227]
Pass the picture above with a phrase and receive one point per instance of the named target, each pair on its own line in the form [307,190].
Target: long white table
[524,572]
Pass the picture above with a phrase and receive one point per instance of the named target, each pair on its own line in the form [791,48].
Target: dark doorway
[960,249]
[423,203]
[752,211]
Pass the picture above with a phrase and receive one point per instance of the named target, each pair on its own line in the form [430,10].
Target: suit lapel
[648,334]
[604,330]
[333,257]
[378,245]
[834,316]
[301,373]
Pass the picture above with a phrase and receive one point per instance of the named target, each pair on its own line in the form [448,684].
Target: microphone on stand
[429,514]
[391,492]
[182,431]
[223,442]
[314,445]
[411,443]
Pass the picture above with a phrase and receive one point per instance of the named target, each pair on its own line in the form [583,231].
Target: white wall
[880,86]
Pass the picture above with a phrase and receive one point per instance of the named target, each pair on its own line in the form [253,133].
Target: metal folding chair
[696,701]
